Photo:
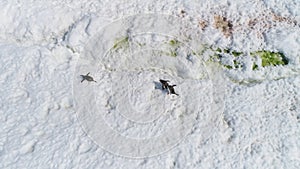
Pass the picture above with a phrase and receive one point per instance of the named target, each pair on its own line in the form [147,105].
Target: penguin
[171,90]
[164,84]
[87,78]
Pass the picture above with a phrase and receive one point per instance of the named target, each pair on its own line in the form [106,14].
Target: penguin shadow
[158,86]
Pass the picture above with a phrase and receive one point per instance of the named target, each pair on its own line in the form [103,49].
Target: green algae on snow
[228,66]
[236,54]
[254,66]
[174,42]
[228,51]
[121,42]
[269,58]
[173,53]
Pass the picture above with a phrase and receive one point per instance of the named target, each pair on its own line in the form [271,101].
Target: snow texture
[238,118]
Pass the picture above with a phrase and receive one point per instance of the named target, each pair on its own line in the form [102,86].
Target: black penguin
[164,83]
[87,78]
[171,90]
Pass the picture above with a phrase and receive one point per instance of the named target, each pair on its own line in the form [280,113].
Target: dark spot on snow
[157,85]
[255,66]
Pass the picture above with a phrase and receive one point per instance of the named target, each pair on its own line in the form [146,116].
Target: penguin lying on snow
[171,90]
[164,83]
[165,86]
[87,78]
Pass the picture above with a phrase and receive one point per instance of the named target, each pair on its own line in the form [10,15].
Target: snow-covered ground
[224,117]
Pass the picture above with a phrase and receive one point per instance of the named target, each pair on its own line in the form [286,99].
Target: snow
[221,118]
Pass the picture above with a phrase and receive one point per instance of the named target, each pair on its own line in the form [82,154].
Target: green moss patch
[228,66]
[237,64]
[174,42]
[219,50]
[272,58]
[268,58]
[121,42]
[173,53]
[236,54]
[226,51]
[254,66]
[229,51]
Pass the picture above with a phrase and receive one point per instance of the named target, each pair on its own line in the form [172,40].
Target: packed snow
[231,112]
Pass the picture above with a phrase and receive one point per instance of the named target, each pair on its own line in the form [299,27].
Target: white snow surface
[222,118]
